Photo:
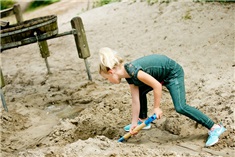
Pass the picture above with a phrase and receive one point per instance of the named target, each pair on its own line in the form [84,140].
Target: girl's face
[111,77]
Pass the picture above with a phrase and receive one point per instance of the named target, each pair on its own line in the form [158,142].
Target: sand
[64,114]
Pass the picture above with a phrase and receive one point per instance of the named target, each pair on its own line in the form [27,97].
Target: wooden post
[18,13]
[44,51]
[2,79]
[81,42]
[80,38]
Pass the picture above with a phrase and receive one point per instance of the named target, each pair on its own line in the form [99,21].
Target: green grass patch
[40,3]
[187,15]
[100,3]
[151,2]
[5,4]
[213,0]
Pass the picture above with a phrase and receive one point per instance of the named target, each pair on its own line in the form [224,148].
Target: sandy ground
[66,115]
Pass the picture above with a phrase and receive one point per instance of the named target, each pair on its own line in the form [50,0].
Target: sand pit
[66,115]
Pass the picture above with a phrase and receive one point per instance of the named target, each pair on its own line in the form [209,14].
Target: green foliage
[151,2]
[40,3]
[100,3]
[213,0]
[5,4]
[187,15]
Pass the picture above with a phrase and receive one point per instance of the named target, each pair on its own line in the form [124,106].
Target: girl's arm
[157,90]
[135,106]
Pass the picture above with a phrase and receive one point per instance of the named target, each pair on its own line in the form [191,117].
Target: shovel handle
[139,127]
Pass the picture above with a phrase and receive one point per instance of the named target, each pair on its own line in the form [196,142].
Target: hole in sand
[76,124]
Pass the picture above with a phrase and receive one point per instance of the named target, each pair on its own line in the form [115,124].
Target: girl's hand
[132,132]
[158,112]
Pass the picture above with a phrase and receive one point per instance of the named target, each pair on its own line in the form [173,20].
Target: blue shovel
[139,127]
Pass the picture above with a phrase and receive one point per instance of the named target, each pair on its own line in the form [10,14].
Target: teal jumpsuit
[171,75]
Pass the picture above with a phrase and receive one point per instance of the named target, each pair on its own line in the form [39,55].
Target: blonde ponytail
[109,59]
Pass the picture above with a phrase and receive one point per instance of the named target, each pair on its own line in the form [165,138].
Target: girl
[150,73]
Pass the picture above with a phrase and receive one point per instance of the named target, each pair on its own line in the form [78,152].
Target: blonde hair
[109,59]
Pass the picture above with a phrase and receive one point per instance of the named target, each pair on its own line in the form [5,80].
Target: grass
[213,0]
[5,4]
[40,3]
[187,15]
[151,2]
[100,3]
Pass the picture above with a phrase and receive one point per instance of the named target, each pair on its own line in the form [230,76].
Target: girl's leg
[143,106]
[176,88]
[143,90]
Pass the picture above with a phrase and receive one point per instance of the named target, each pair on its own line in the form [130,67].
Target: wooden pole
[44,50]
[18,13]
[80,38]
[81,42]
[2,79]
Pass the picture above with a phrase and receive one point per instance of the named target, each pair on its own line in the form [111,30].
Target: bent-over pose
[149,73]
